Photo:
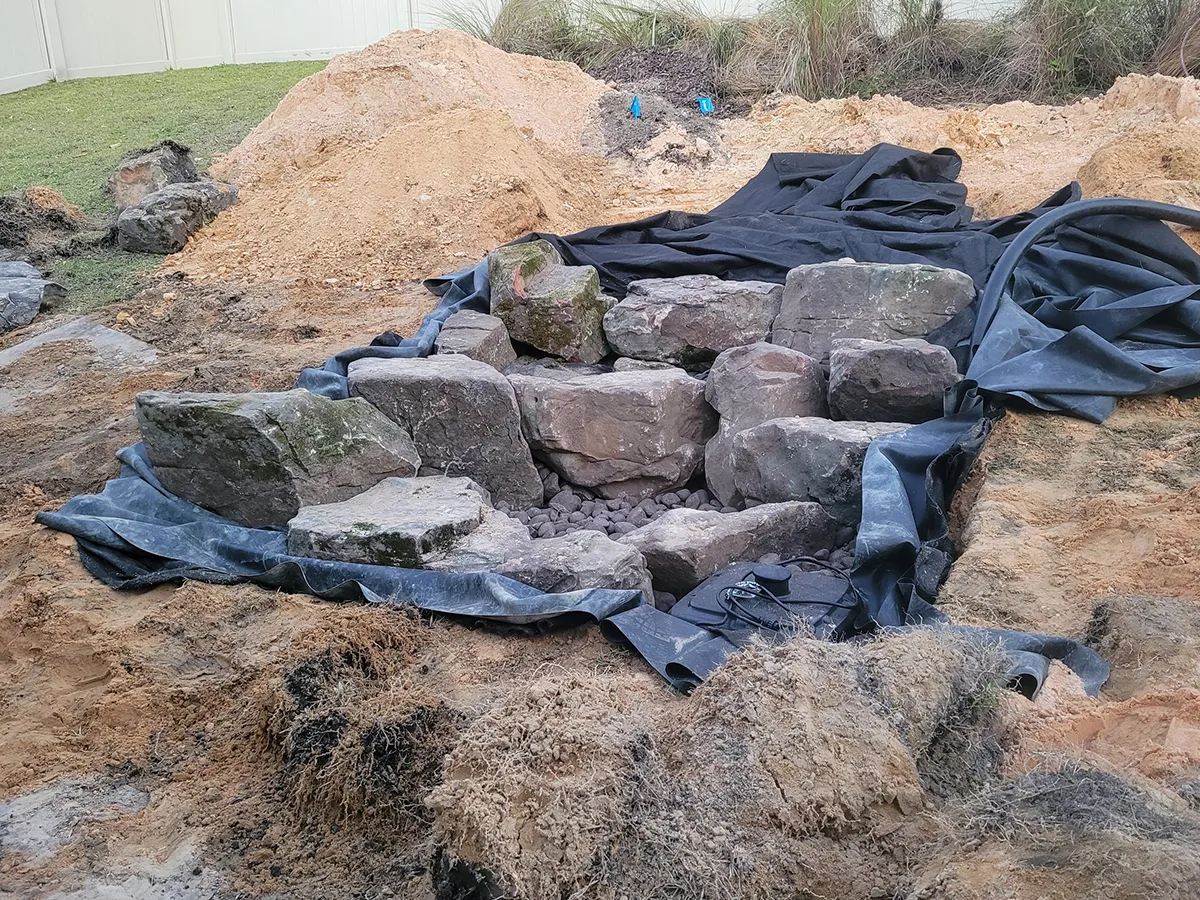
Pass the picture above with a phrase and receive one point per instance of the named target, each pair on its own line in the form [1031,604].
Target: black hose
[989,302]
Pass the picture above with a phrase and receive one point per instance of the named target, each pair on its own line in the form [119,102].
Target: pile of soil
[405,78]
[676,76]
[427,197]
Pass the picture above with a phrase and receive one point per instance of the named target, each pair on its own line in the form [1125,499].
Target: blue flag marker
[636,108]
[706,105]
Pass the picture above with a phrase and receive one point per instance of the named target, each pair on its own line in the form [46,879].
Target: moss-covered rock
[555,308]
[258,458]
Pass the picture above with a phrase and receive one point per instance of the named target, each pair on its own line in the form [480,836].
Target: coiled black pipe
[989,302]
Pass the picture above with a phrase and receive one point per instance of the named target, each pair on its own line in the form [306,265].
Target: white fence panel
[271,30]
[198,33]
[24,59]
[111,37]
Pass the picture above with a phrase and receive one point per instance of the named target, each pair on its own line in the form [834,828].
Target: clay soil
[201,741]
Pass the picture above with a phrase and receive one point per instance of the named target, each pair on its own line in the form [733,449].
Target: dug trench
[202,741]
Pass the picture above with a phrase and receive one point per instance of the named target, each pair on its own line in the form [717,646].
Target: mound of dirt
[677,76]
[406,78]
[427,197]
[1152,163]
[806,753]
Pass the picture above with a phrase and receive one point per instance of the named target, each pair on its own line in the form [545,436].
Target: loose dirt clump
[38,225]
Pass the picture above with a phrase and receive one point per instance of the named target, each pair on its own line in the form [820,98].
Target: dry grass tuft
[360,733]
[1045,50]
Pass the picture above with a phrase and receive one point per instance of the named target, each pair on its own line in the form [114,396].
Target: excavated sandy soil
[199,741]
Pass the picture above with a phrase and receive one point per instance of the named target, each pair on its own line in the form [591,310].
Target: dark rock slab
[259,458]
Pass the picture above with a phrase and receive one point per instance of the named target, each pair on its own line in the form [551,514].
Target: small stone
[566,500]
[588,507]
[772,559]
[648,505]
[541,518]
[545,530]
[502,507]
[683,494]
[616,503]
[728,509]
[522,517]
[638,517]
[619,515]
[669,499]
[576,517]
[664,601]
[563,528]
[821,554]
[693,501]
[845,535]
[622,527]
[551,484]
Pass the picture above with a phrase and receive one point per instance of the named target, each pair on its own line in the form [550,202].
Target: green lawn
[70,135]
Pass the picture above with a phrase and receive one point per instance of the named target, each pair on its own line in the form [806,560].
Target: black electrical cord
[733,599]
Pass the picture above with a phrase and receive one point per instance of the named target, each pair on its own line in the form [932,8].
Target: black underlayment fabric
[1099,306]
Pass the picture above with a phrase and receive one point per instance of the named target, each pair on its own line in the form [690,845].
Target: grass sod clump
[1042,50]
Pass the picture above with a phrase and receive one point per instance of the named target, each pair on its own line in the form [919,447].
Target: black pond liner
[1082,302]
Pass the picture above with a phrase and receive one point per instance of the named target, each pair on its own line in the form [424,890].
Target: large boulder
[624,432]
[478,336]
[889,381]
[556,308]
[747,386]
[432,522]
[807,459]
[23,290]
[463,417]
[142,172]
[686,546]
[259,458]
[576,561]
[877,301]
[163,221]
[690,319]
